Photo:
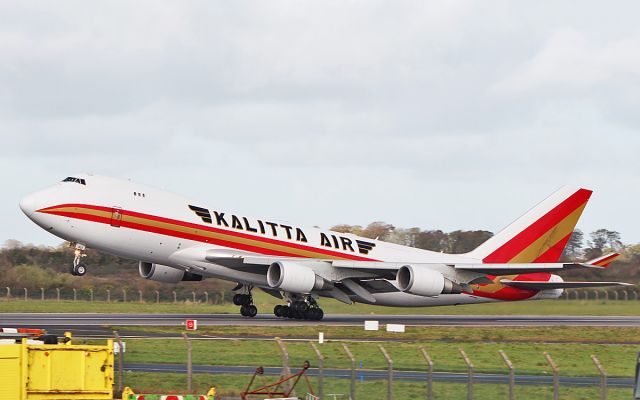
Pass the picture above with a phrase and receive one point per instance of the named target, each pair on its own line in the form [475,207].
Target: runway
[78,320]
[369,374]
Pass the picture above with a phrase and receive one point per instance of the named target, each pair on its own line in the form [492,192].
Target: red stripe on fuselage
[198,238]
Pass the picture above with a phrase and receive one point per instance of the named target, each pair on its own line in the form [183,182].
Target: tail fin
[541,234]
[603,261]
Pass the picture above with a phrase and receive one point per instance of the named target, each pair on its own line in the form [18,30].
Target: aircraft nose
[28,205]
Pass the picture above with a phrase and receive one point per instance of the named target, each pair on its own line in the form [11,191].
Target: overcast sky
[441,115]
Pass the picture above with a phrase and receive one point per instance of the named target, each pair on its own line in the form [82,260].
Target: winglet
[603,261]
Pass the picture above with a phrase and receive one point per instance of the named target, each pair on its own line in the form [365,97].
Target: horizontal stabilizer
[604,261]
[545,285]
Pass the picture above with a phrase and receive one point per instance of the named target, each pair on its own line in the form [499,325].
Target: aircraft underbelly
[400,299]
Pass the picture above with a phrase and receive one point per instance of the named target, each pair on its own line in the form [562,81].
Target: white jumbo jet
[177,239]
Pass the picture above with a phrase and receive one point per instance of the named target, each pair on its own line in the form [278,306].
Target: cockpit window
[74,179]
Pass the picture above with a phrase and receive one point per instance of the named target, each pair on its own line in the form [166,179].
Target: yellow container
[56,371]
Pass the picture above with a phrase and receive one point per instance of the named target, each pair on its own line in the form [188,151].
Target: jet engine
[163,273]
[424,282]
[293,277]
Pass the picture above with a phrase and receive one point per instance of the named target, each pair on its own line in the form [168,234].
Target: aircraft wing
[544,285]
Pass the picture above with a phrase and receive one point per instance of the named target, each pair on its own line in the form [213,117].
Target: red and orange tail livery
[540,235]
[603,261]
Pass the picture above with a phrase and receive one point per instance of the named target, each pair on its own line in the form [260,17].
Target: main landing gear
[245,301]
[79,268]
[300,309]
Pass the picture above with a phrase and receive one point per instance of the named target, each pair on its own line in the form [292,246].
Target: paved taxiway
[366,374]
[82,320]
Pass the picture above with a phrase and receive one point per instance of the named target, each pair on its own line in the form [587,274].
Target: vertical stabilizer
[541,234]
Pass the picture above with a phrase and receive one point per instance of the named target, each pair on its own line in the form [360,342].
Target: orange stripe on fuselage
[196,232]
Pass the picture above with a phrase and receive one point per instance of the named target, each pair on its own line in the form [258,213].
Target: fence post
[75,294]
[556,378]
[157,297]
[120,363]
[175,297]
[512,375]
[286,370]
[603,377]
[625,295]
[470,372]
[58,294]
[606,295]
[596,295]
[26,294]
[615,295]
[42,293]
[353,371]
[206,297]
[389,373]
[8,292]
[193,294]
[320,369]
[91,295]
[189,364]
[635,295]
[108,296]
[124,295]
[140,296]
[429,373]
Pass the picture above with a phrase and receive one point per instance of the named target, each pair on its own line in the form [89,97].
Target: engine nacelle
[163,273]
[293,277]
[424,282]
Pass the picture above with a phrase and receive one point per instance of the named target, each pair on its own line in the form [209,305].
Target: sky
[439,115]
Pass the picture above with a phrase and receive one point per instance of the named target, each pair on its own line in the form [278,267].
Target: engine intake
[424,281]
[294,277]
[166,274]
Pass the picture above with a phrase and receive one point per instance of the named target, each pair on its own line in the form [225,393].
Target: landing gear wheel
[236,299]
[79,270]
[278,311]
[249,311]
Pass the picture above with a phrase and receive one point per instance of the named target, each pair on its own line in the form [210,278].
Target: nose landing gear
[79,268]
[245,301]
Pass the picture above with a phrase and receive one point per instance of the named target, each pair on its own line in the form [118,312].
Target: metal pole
[120,363]
[320,369]
[140,295]
[42,293]
[26,294]
[175,297]
[189,364]
[606,295]
[429,373]
[603,377]
[353,371]
[615,295]
[635,295]
[75,294]
[157,297]
[58,294]
[512,375]
[206,297]
[124,295]
[8,292]
[91,294]
[470,372]
[556,378]
[596,295]
[193,294]
[286,370]
[625,295]
[389,372]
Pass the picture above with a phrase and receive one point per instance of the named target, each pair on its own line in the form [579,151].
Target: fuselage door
[116,217]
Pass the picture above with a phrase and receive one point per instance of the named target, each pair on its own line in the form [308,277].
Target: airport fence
[344,376]
[117,295]
[125,295]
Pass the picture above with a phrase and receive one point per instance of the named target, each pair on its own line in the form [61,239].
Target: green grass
[265,304]
[232,385]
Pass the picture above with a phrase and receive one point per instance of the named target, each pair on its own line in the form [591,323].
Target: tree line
[35,267]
